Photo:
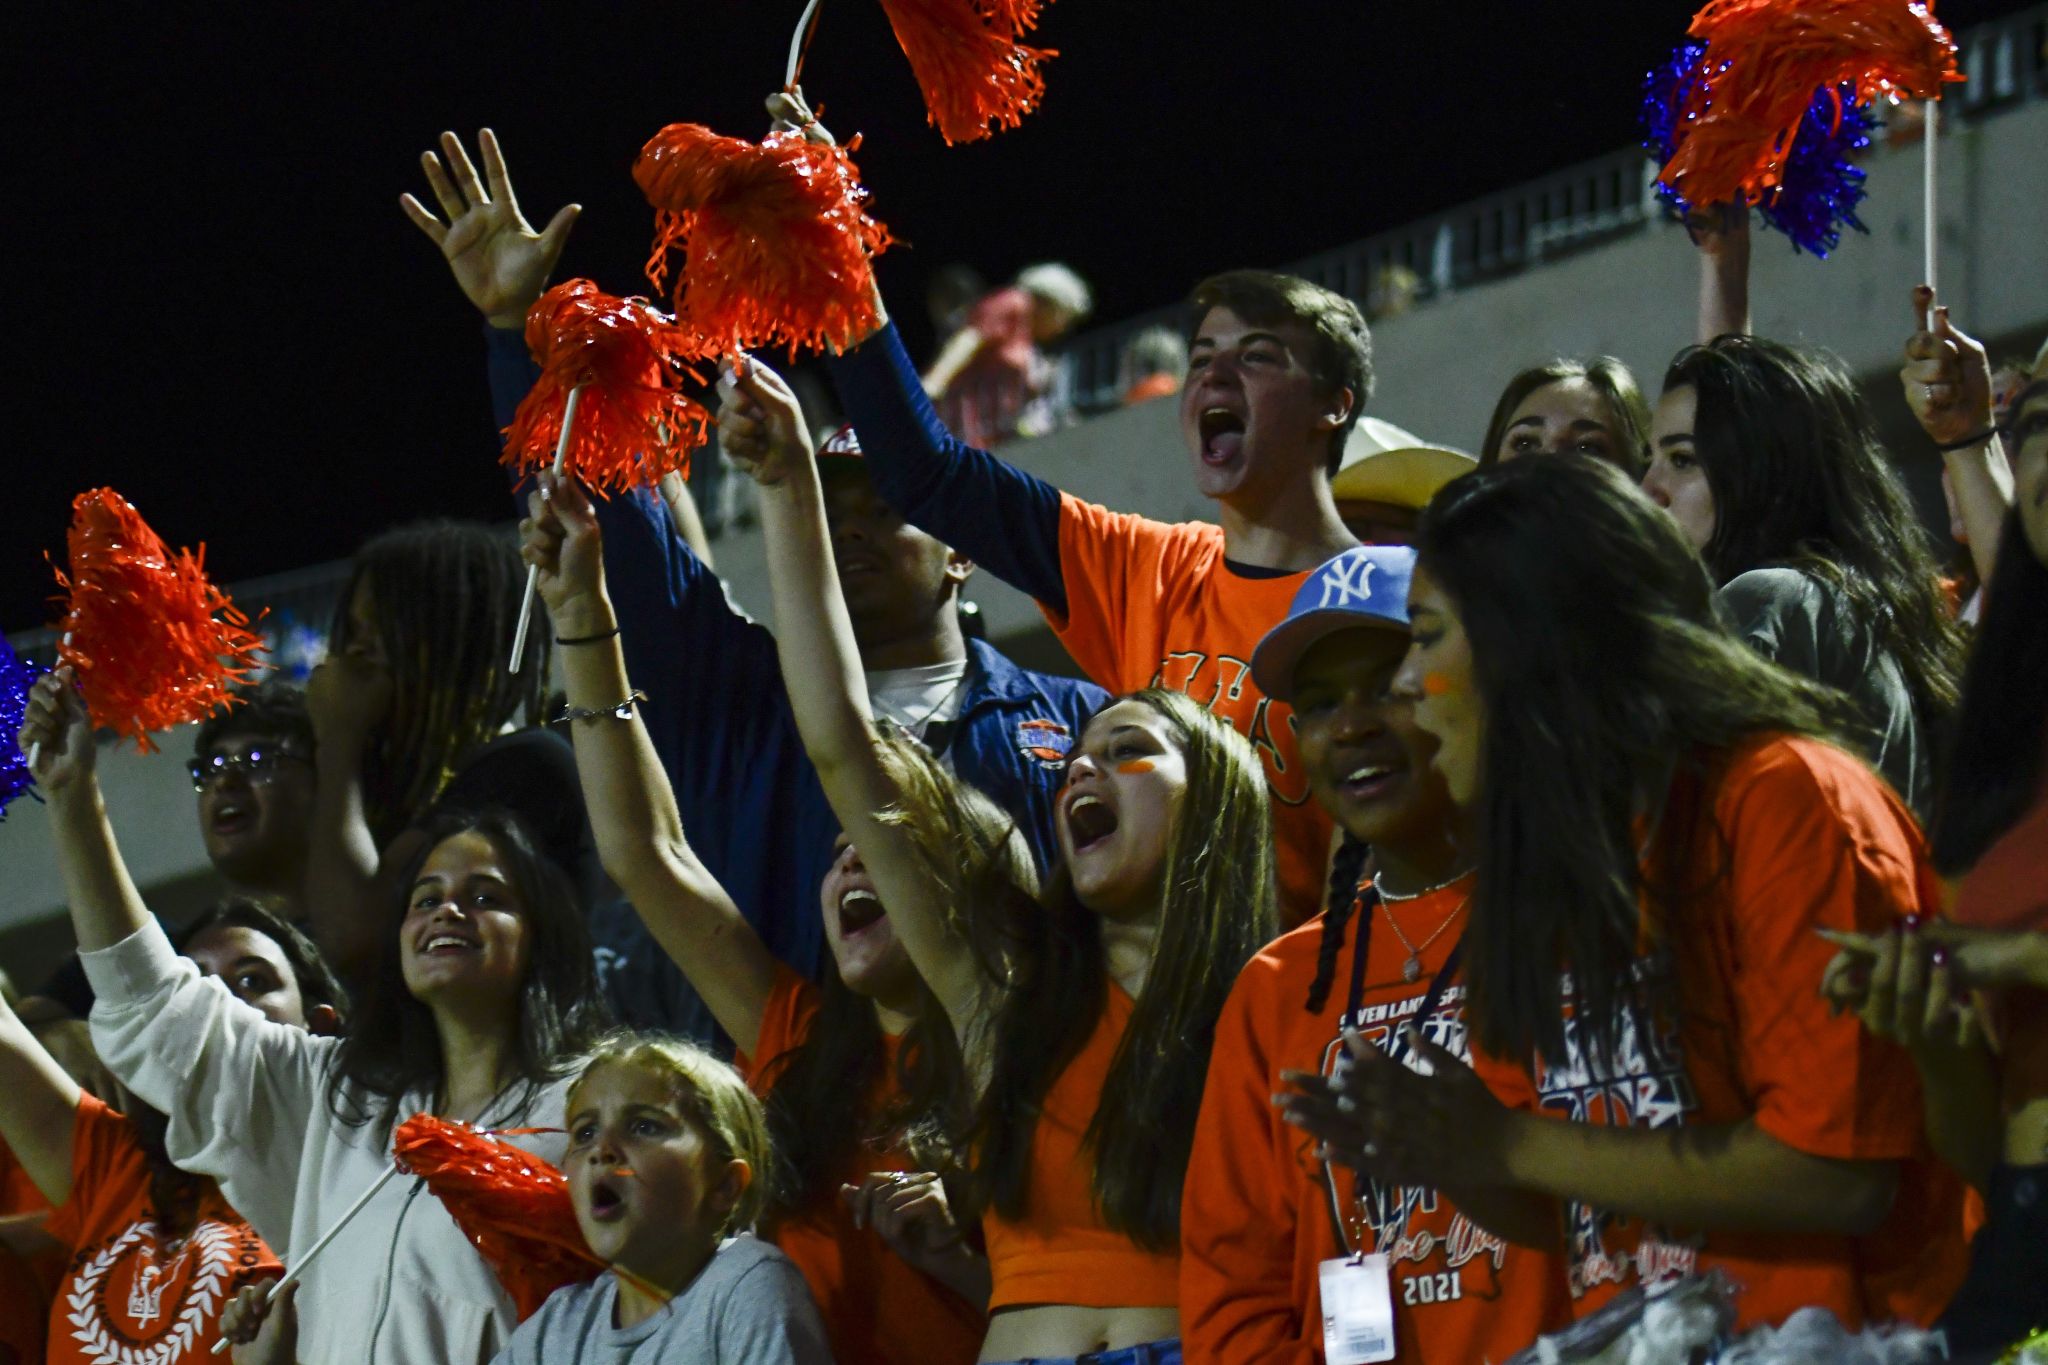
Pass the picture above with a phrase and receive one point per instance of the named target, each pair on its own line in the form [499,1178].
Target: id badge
[1358,1310]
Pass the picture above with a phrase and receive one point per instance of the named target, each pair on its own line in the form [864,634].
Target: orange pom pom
[513,1206]
[1766,58]
[154,643]
[775,242]
[633,423]
[968,61]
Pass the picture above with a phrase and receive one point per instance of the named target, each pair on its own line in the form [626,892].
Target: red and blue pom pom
[1820,186]
[17,676]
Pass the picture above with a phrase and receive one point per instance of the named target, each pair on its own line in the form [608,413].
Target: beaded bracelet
[621,711]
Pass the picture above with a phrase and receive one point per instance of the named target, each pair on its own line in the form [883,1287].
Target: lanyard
[1368,902]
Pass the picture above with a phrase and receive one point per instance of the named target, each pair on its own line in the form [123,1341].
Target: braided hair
[1345,870]
[445,597]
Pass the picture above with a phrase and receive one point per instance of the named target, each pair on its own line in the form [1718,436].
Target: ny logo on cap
[1347,579]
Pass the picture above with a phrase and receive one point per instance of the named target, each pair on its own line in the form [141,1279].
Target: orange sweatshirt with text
[1259,1214]
[878,1309]
[1152,604]
[1794,835]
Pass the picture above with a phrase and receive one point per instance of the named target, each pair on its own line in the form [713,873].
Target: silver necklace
[1411,970]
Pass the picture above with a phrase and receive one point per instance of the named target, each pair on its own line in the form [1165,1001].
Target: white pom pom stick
[305,1262]
[796,45]
[1927,196]
[533,570]
[35,750]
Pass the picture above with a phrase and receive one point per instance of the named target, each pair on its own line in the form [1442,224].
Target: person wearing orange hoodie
[1265,1219]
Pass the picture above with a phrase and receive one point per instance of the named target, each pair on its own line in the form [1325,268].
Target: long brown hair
[974,849]
[1609,683]
[1219,908]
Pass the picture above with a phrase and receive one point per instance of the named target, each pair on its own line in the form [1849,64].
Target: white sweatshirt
[247,1102]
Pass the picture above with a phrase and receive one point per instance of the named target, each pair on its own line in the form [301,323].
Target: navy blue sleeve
[1002,518]
[511,369]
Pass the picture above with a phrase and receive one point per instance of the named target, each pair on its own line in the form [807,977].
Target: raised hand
[501,263]
[760,423]
[57,730]
[1946,376]
[560,537]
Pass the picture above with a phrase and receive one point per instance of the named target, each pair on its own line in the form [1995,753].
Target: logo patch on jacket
[1044,742]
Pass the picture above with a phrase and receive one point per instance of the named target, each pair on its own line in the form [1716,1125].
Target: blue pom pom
[16,677]
[1821,187]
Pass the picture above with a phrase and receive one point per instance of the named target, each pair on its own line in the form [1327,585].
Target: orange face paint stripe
[1435,684]
[1135,766]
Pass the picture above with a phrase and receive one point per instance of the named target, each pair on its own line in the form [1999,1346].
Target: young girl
[665,1142]
[1108,989]
[1770,463]
[1577,406]
[154,1253]
[1659,827]
[478,1009]
[860,1073]
[1262,1212]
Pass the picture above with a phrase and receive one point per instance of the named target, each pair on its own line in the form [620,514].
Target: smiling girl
[666,1144]
[1106,988]
[1659,825]
[479,1006]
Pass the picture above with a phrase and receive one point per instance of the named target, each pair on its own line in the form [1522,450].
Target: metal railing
[2006,61]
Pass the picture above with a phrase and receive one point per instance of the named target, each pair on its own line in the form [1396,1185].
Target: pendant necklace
[1411,970]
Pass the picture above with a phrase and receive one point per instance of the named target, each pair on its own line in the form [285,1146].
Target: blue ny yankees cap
[1364,586]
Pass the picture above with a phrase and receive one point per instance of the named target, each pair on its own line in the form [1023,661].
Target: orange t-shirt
[1060,1251]
[122,1300]
[1153,605]
[25,1283]
[1806,838]
[878,1309]
[2007,889]
[1257,1218]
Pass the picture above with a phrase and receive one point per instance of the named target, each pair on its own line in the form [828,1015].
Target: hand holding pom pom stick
[302,1264]
[154,643]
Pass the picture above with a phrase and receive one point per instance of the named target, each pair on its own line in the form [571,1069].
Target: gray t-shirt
[1800,622]
[748,1306]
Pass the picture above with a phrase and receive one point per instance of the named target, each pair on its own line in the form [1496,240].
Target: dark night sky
[219,310]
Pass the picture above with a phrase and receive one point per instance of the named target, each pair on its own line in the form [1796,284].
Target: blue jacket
[717,713]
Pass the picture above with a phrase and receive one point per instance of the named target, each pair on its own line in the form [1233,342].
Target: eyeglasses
[257,766]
